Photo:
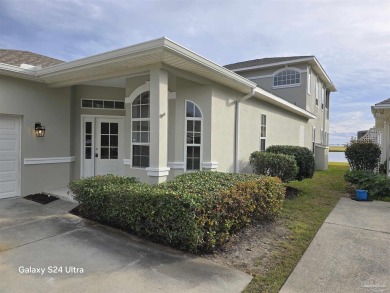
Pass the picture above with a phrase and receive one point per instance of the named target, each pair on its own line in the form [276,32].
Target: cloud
[351,39]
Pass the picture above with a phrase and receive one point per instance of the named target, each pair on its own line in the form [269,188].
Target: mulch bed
[41,198]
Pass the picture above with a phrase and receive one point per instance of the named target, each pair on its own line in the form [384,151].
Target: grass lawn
[303,216]
[336,148]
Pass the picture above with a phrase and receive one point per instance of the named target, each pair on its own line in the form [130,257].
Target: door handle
[97,155]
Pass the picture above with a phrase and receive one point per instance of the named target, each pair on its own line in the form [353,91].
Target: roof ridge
[265,61]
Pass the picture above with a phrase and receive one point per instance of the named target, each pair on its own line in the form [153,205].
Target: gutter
[237,129]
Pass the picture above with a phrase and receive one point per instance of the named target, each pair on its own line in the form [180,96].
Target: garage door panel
[8,144]
[9,156]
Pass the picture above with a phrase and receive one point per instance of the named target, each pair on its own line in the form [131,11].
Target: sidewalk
[350,253]
[45,249]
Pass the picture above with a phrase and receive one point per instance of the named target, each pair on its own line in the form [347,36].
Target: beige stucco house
[153,110]
[380,134]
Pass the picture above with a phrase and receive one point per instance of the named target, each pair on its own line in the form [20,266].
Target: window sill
[286,86]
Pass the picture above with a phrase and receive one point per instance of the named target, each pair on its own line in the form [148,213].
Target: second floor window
[287,77]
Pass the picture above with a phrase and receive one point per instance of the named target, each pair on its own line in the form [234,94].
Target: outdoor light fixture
[39,130]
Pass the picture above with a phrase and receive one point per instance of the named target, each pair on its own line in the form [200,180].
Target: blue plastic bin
[361,194]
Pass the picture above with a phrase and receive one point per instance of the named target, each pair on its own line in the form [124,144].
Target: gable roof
[138,58]
[18,57]
[263,61]
[384,102]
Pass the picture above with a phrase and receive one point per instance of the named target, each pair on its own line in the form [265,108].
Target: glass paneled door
[103,146]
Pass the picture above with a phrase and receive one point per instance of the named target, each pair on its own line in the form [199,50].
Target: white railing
[375,135]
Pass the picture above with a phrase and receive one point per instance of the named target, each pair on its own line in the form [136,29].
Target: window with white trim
[140,130]
[263,132]
[314,140]
[309,81]
[322,97]
[193,136]
[287,77]
[322,136]
[317,91]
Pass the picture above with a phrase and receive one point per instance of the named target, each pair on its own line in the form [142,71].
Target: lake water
[337,157]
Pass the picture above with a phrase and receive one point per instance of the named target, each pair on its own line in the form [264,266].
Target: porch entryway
[102,145]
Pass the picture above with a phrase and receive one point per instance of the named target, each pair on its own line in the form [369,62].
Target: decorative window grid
[140,130]
[287,77]
[102,104]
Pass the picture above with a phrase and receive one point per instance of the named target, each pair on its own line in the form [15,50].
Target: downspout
[237,129]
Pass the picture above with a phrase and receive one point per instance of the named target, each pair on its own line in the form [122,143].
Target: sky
[350,38]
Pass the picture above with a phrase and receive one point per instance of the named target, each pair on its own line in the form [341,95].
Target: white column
[158,170]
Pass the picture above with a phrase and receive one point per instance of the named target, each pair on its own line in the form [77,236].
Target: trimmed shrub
[229,201]
[276,165]
[194,212]
[363,155]
[378,185]
[303,156]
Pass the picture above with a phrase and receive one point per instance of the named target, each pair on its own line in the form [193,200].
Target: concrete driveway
[45,249]
[350,253]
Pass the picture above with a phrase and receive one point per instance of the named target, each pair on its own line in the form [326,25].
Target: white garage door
[9,156]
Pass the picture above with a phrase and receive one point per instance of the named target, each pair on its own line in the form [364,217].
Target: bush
[303,156]
[194,212]
[276,165]
[363,155]
[382,167]
[378,185]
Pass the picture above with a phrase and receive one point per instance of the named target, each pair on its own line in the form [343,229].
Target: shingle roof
[385,102]
[263,61]
[18,57]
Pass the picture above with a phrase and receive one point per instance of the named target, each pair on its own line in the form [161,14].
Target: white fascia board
[275,100]
[106,57]
[196,58]
[320,70]
[273,64]
[17,71]
[381,106]
[158,45]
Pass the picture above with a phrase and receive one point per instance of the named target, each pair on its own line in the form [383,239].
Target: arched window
[287,77]
[193,136]
[140,130]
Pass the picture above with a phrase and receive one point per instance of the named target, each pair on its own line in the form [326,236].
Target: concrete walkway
[45,249]
[350,253]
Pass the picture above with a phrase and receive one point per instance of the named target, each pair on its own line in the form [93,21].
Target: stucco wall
[222,126]
[283,128]
[35,102]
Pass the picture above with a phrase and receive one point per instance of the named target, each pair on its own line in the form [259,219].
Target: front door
[103,146]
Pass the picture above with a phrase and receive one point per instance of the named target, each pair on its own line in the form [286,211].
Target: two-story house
[152,110]
[302,81]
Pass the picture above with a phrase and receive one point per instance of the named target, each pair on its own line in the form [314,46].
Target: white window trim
[263,137]
[316,94]
[129,100]
[185,136]
[313,134]
[309,80]
[103,100]
[322,97]
[287,85]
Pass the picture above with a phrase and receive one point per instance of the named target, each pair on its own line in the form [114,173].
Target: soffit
[127,61]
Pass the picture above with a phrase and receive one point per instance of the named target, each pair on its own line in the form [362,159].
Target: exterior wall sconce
[39,130]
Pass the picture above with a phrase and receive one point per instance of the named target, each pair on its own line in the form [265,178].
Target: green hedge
[363,155]
[303,156]
[194,212]
[377,185]
[276,165]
